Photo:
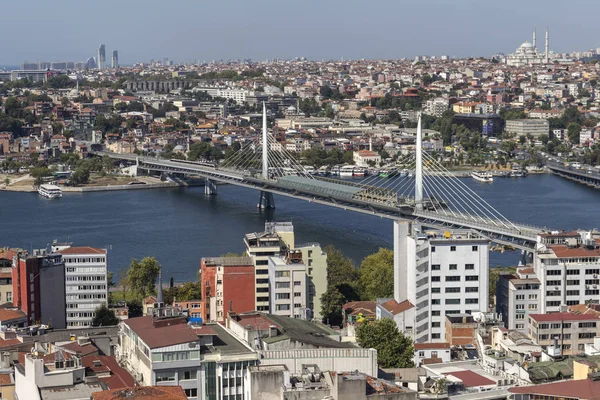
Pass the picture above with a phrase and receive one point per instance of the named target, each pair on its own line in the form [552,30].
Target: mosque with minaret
[527,54]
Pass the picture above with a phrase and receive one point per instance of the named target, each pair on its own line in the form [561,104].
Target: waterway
[179,226]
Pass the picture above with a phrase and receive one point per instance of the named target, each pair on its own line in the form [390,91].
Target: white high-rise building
[440,273]
[287,281]
[86,284]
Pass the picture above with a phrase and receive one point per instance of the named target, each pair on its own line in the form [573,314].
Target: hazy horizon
[266,29]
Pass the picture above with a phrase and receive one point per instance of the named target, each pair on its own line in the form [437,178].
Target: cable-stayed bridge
[418,188]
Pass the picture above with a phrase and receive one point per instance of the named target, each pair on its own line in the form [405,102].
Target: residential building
[567,265]
[287,282]
[524,127]
[86,282]
[228,285]
[545,114]
[276,238]
[359,311]
[518,296]
[461,330]
[564,333]
[403,314]
[41,303]
[436,107]
[441,273]
[432,353]
[6,286]
[587,389]
[142,393]
[205,360]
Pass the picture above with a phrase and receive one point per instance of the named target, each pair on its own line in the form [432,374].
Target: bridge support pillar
[210,187]
[266,200]
[525,258]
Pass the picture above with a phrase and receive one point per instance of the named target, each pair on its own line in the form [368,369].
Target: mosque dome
[526,45]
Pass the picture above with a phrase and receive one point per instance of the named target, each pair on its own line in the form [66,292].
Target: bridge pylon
[210,187]
[266,201]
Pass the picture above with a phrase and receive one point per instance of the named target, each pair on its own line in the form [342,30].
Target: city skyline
[316,31]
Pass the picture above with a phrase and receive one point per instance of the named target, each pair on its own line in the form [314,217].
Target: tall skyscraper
[115,59]
[101,57]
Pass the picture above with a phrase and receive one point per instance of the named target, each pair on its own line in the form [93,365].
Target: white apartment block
[436,107]
[568,267]
[517,296]
[86,283]
[277,238]
[287,279]
[440,273]
[524,127]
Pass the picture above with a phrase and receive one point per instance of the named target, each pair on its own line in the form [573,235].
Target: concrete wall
[266,385]
[53,303]
[363,360]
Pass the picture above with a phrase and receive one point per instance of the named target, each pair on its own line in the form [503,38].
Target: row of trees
[373,279]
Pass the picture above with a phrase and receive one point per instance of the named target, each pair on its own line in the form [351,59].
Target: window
[282,274]
[421,354]
[435,324]
[435,301]
[448,312]
[572,292]
[435,313]
[553,283]
[282,285]
[566,336]
[282,296]
[282,307]
[520,316]
[435,279]
[165,376]
[435,290]
[520,306]
[191,392]
[472,278]
[452,248]
[297,283]
[469,266]
[189,374]
[452,301]
[572,272]
[554,272]
[552,303]
[433,249]
[453,267]
[520,297]
[587,325]
[573,282]
[532,307]
[520,326]
[452,290]
[471,289]
[592,271]
[474,248]
[435,267]
[471,301]
[533,297]
[453,278]
[435,335]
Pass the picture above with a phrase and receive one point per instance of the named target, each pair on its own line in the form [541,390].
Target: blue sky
[185,30]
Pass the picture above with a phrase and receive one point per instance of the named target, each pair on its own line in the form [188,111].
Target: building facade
[517,296]
[287,280]
[524,127]
[564,333]
[228,285]
[86,274]
[441,273]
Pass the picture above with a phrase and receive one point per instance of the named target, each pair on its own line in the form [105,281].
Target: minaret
[159,296]
[547,46]
[534,39]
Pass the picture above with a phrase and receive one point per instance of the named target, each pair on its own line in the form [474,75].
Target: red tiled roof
[142,393]
[563,317]
[368,307]
[256,321]
[396,308]
[9,315]
[431,346]
[563,251]
[82,250]
[163,336]
[85,350]
[471,379]
[119,378]
[581,389]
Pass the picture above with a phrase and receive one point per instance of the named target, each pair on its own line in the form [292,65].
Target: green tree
[377,275]
[199,151]
[574,129]
[81,176]
[331,306]
[142,276]
[342,276]
[190,291]
[6,181]
[394,350]
[105,317]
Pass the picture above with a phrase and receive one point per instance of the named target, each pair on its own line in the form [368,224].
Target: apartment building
[287,280]
[567,265]
[86,286]
[274,241]
[564,333]
[228,285]
[436,107]
[207,361]
[441,273]
[518,296]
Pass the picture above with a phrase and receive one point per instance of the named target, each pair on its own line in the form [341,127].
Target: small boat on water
[335,171]
[360,172]
[404,173]
[50,191]
[481,176]
[322,171]
[347,171]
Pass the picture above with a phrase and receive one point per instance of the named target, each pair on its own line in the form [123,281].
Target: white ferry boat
[347,171]
[50,191]
[482,176]
[360,172]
